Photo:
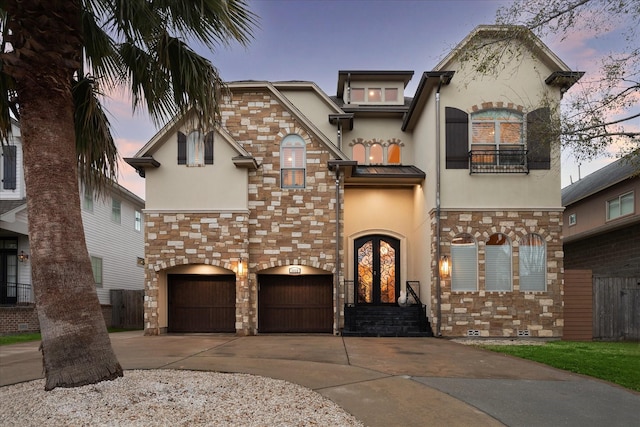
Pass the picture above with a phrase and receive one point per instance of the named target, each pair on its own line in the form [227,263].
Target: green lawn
[26,337]
[617,362]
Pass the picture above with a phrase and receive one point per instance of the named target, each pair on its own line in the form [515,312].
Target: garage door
[295,303]
[202,303]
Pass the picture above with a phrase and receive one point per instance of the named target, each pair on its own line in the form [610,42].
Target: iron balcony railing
[498,161]
[15,294]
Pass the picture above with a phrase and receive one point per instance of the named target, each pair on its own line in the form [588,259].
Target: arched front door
[377,269]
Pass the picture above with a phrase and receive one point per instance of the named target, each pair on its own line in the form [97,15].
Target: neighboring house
[602,221]
[301,209]
[113,229]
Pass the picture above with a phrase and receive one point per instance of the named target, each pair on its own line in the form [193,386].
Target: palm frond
[95,147]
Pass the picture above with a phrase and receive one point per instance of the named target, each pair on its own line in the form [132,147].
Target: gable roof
[160,137]
[599,180]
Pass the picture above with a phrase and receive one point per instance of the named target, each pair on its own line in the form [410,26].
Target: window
[195,149]
[292,162]
[116,211]
[498,263]
[497,138]
[359,153]
[96,265]
[573,219]
[357,94]
[375,95]
[376,154]
[620,206]
[464,263]
[9,167]
[87,204]
[393,154]
[533,263]
[137,220]
[390,94]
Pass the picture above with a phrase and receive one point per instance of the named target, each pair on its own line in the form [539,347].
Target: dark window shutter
[9,167]
[208,149]
[182,148]
[457,135]
[538,138]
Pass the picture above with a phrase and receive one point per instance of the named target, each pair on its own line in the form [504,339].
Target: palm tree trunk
[75,343]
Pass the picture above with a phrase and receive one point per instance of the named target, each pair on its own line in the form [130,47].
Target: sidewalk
[381,381]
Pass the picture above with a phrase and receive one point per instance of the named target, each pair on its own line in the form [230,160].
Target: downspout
[337,256]
[349,88]
[438,284]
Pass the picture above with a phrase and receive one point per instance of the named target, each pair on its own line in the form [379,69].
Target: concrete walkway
[381,381]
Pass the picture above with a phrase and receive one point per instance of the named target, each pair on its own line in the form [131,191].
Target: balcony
[498,161]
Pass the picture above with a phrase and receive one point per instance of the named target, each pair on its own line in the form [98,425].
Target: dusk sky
[312,40]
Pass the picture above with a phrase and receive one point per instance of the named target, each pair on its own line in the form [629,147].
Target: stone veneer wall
[502,314]
[283,226]
[214,238]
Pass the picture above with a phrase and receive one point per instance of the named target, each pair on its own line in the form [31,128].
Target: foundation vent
[523,333]
[473,333]
[23,326]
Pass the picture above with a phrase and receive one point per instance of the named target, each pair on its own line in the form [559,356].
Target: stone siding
[502,314]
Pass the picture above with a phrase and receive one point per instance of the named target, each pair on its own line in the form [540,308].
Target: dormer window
[357,95]
[390,94]
[374,95]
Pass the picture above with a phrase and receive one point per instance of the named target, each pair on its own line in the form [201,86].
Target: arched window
[533,263]
[393,154]
[464,263]
[375,154]
[359,154]
[293,160]
[195,149]
[497,262]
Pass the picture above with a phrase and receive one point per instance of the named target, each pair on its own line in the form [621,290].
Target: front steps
[385,321]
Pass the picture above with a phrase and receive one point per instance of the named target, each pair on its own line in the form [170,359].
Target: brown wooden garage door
[202,303]
[295,303]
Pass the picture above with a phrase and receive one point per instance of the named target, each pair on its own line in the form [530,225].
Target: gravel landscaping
[171,398]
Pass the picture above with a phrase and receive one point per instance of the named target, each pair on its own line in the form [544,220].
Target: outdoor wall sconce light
[240,268]
[445,266]
[23,257]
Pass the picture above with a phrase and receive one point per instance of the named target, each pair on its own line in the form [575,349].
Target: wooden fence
[616,308]
[578,305]
[127,308]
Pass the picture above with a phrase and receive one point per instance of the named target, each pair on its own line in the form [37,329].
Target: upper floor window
[376,156]
[195,149]
[573,219]
[464,263]
[497,138]
[377,153]
[293,162]
[87,201]
[533,263]
[137,220]
[498,263]
[374,95]
[96,266]
[9,167]
[116,211]
[620,206]
[498,141]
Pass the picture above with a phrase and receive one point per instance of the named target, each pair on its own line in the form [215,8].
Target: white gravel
[171,398]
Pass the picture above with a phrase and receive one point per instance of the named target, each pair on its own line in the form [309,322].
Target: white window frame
[137,220]
[618,203]
[464,265]
[290,146]
[573,219]
[96,267]
[116,211]
[537,280]
[498,271]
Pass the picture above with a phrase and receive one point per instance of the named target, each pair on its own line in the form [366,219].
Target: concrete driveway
[381,381]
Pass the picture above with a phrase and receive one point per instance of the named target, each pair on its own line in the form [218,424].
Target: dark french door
[377,269]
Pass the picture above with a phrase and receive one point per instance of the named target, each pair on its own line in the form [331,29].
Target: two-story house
[114,233]
[302,209]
